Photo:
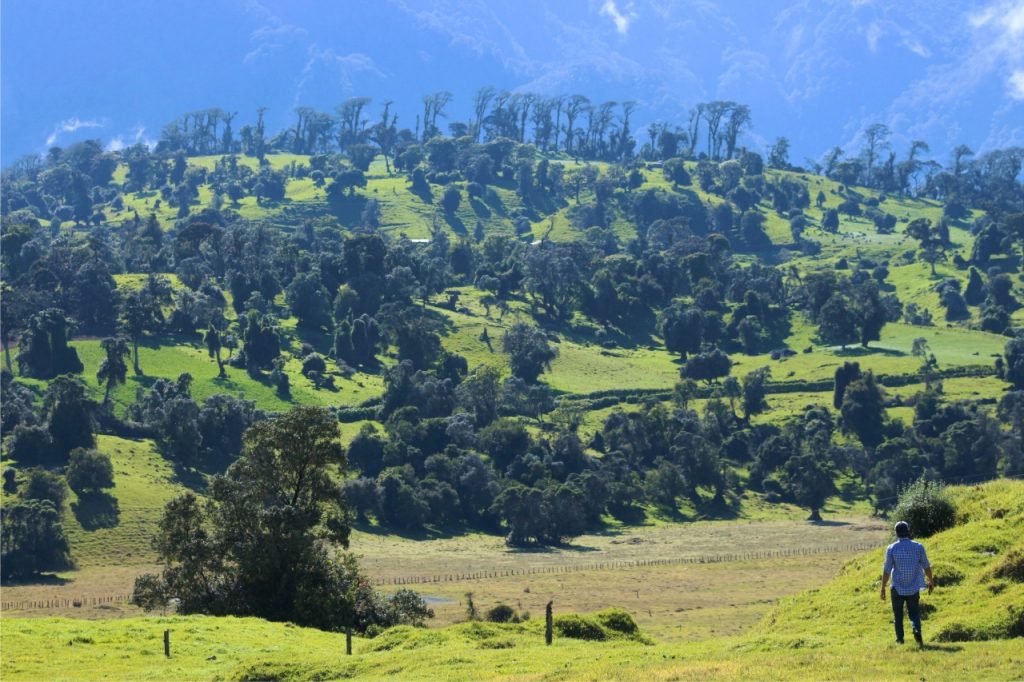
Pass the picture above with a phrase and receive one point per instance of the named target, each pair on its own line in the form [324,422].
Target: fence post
[167,643]
[348,640]
[549,623]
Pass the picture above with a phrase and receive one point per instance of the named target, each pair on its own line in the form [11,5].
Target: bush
[926,507]
[10,481]
[946,575]
[89,471]
[502,613]
[1011,567]
[617,620]
[579,627]
[44,485]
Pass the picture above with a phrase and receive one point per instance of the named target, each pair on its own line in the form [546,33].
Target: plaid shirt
[906,560]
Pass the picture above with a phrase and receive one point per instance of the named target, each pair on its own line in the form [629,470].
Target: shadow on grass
[549,549]
[945,648]
[455,222]
[41,579]
[96,510]
[824,523]
[193,479]
[857,351]
[431,533]
[480,208]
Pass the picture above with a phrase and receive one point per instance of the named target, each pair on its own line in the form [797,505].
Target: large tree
[262,543]
[113,370]
[529,351]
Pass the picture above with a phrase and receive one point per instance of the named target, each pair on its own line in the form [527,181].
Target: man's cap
[903,529]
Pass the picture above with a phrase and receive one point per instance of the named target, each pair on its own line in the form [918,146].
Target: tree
[139,314]
[33,540]
[479,393]
[931,242]
[113,370]
[837,321]
[754,391]
[42,485]
[863,410]
[89,471]
[261,545]
[451,199]
[846,373]
[809,482]
[830,221]
[309,301]
[44,351]
[260,342]
[529,351]
[68,415]
[870,312]
[213,347]
[708,367]
[682,328]
[778,154]
[1011,365]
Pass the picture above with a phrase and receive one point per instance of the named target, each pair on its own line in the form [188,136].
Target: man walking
[907,563]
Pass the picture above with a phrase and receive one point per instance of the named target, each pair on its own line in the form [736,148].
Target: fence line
[624,563]
[63,602]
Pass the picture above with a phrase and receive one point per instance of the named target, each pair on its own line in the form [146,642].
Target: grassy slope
[583,366]
[841,630]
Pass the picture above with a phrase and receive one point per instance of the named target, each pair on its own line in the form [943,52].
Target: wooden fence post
[348,640]
[167,643]
[549,624]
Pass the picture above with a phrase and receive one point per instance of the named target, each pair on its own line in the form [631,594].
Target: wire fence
[626,564]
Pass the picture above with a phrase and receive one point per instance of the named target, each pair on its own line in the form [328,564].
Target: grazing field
[973,624]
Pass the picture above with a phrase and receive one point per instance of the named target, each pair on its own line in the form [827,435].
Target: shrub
[617,620]
[1011,567]
[502,613]
[579,627]
[10,480]
[45,485]
[926,507]
[946,575]
[89,471]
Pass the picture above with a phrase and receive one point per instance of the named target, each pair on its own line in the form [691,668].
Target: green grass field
[840,630]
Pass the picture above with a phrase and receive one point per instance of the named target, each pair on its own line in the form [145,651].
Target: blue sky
[816,71]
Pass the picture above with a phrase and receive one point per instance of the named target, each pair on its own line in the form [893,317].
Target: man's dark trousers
[913,602]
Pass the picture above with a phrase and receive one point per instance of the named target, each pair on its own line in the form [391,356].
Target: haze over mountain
[944,71]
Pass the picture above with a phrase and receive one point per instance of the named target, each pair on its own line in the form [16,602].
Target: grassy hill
[584,366]
[973,629]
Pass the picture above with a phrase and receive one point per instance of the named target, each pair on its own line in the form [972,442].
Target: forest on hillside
[668,246]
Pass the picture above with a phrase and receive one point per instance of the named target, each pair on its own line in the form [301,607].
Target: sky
[816,71]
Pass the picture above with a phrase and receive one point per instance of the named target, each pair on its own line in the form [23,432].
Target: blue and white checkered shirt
[906,560]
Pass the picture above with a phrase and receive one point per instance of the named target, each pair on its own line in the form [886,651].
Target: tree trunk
[135,359]
[815,515]
[106,392]
[220,366]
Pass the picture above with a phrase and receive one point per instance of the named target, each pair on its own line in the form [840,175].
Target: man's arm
[927,566]
[886,570]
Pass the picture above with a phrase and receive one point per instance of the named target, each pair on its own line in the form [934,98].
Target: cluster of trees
[990,181]
[957,442]
[53,447]
[261,544]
